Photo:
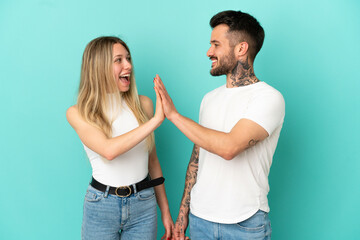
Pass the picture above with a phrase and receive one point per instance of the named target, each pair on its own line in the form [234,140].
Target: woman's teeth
[125,77]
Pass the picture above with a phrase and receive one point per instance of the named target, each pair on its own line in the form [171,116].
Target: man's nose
[210,52]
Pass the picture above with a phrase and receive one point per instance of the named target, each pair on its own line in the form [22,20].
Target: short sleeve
[267,109]
[201,108]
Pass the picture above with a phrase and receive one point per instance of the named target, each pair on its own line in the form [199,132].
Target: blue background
[311,55]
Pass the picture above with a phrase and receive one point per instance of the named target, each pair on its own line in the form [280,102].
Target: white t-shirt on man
[231,191]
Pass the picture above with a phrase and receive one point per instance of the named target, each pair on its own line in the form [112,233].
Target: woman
[116,126]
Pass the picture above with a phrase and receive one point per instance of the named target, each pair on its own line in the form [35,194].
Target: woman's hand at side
[168,225]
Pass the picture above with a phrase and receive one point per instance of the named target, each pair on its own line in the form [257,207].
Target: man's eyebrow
[214,41]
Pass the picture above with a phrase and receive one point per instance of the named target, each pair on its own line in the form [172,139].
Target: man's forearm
[190,180]
[242,136]
[209,139]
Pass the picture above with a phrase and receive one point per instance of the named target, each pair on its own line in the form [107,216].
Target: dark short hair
[239,22]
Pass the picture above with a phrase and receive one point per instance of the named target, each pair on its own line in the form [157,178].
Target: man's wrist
[174,116]
[184,210]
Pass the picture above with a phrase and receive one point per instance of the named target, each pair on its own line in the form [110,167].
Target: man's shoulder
[269,90]
[214,91]
[268,96]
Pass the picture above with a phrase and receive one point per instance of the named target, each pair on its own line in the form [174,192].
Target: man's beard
[228,64]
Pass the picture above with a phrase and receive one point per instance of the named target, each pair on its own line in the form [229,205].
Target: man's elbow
[228,154]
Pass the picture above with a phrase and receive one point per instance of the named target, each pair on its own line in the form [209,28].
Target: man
[240,123]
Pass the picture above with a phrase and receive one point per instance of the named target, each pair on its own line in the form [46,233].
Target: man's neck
[242,75]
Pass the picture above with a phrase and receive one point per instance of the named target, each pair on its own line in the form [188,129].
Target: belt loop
[107,191]
[135,190]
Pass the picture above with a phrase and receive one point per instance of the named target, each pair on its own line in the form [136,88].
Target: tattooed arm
[190,180]
[243,135]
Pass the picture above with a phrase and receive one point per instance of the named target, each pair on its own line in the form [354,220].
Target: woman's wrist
[165,211]
[156,121]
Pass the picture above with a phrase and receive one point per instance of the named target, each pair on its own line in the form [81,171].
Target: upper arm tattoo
[252,143]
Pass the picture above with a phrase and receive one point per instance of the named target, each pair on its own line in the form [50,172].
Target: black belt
[125,191]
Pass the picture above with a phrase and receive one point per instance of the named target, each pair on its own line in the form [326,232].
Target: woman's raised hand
[167,103]
[159,111]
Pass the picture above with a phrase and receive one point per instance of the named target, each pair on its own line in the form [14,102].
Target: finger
[159,87]
[159,84]
[182,235]
[158,79]
[167,234]
[162,96]
[176,233]
[163,86]
[168,231]
[157,91]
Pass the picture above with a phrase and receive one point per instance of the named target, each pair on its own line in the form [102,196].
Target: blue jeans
[256,227]
[108,216]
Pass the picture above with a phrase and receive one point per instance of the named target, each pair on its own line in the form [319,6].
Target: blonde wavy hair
[97,82]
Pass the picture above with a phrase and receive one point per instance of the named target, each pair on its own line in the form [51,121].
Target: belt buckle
[126,187]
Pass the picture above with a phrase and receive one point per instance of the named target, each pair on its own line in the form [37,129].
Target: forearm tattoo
[243,74]
[190,180]
[191,175]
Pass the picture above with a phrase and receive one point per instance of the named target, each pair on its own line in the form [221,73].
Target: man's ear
[241,49]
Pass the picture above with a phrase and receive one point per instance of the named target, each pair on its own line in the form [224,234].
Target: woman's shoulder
[72,110]
[72,114]
[146,104]
[145,101]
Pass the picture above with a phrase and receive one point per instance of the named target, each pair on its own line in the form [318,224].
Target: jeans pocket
[146,194]
[260,228]
[256,223]
[91,196]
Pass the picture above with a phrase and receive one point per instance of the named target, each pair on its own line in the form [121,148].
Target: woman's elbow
[108,156]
